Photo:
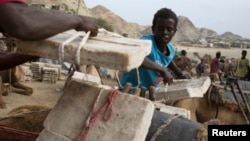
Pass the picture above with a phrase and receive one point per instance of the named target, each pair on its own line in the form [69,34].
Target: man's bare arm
[27,23]
[9,60]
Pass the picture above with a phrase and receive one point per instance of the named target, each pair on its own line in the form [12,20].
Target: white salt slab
[104,50]
[130,120]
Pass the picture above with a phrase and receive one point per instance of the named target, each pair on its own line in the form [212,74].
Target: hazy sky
[218,15]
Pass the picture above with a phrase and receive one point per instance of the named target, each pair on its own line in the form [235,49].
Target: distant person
[215,67]
[242,65]
[200,69]
[222,63]
[186,64]
[157,66]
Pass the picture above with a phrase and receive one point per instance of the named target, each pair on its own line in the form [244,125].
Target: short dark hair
[218,54]
[244,51]
[183,52]
[164,13]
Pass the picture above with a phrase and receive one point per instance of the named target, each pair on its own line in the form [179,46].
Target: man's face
[164,30]
[244,54]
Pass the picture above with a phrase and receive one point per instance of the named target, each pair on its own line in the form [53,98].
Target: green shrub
[104,24]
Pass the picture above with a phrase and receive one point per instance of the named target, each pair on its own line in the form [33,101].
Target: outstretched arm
[14,59]
[172,66]
[28,23]
[163,72]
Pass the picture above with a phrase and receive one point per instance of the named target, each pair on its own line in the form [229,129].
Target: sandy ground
[47,94]
[229,53]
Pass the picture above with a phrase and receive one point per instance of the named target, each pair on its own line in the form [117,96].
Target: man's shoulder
[171,44]
[147,37]
[6,1]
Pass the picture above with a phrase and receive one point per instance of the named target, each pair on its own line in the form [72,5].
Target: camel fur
[15,84]
[27,118]
[203,109]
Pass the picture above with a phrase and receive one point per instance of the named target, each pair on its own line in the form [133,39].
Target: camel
[207,58]
[3,89]
[201,111]
[13,77]
[229,66]
[15,85]
[204,109]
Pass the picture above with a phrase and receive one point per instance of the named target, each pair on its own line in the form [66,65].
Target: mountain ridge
[187,31]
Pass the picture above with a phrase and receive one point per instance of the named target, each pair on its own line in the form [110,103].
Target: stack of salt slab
[36,68]
[51,72]
[50,75]
[28,75]
[130,115]
[56,66]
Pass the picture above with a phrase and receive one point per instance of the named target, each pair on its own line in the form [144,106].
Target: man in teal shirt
[159,64]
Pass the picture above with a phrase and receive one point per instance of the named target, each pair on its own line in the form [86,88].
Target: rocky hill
[119,24]
[72,6]
[204,32]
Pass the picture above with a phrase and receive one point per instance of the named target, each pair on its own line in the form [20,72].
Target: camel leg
[17,90]
[2,104]
[21,89]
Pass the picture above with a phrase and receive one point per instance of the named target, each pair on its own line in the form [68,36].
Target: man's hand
[184,75]
[167,76]
[88,24]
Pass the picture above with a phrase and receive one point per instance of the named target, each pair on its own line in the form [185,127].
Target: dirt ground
[45,94]
[229,53]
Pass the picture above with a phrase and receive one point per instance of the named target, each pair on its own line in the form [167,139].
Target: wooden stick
[126,88]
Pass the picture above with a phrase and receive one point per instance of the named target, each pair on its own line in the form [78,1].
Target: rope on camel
[93,117]
[163,126]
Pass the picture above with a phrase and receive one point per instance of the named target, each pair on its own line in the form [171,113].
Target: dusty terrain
[229,53]
[47,94]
